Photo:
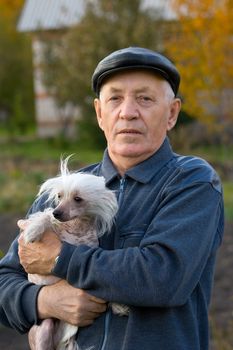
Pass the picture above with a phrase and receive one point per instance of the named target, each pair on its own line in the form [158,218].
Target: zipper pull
[122,183]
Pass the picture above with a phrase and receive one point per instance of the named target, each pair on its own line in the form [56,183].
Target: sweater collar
[142,172]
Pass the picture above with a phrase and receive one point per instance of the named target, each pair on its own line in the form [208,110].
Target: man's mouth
[129,132]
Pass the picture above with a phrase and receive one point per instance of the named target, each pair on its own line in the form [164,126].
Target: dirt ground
[221,312]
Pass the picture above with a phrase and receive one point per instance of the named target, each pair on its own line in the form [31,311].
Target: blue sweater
[158,259]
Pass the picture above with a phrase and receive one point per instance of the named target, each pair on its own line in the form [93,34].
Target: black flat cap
[135,58]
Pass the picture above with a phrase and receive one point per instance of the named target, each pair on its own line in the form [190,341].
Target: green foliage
[19,121]
[70,62]
[228,199]
[16,82]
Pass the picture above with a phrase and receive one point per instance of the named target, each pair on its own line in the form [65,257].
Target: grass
[24,165]
[214,154]
[48,149]
[222,337]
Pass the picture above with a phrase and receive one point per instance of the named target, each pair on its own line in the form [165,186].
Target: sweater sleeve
[18,297]
[179,244]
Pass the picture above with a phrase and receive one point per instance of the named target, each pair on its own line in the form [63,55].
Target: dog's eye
[77,199]
[59,196]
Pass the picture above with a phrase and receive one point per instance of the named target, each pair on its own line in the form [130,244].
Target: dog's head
[79,195]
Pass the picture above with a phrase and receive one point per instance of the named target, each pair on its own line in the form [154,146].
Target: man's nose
[128,109]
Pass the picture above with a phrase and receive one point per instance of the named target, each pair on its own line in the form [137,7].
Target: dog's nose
[57,214]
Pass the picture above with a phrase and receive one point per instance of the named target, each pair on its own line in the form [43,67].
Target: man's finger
[97,300]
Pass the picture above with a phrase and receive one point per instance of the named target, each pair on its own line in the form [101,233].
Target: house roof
[50,14]
[56,14]
[164,7]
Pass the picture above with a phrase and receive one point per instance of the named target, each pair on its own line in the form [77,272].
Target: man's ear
[98,112]
[174,113]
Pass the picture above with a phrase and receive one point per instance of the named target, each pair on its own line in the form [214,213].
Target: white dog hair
[84,210]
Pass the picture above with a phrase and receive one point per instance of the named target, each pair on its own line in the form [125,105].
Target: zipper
[108,313]
[121,190]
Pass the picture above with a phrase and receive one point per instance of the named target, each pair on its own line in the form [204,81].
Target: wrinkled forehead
[140,80]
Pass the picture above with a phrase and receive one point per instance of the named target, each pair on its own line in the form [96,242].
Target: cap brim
[113,71]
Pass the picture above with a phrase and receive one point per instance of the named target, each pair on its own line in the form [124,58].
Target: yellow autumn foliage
[202,47]
[10,8]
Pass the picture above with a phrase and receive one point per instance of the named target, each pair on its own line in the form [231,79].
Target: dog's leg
[36,225]
[64,337]
[41,337]
[72,344]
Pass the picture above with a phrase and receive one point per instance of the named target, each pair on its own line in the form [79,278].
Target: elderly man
[159,258]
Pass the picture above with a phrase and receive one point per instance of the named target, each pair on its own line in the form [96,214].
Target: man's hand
[39,257]
[69,304]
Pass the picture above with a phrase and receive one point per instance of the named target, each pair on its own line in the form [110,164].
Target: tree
[201,45]
[106,26]
[16,90]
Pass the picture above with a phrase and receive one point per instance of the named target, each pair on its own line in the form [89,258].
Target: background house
[49,19]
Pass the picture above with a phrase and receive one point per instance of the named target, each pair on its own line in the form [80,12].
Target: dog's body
[84,210]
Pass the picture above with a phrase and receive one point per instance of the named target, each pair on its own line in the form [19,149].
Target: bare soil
[221,312]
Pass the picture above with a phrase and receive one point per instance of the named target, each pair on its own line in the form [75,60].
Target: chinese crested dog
[82,209]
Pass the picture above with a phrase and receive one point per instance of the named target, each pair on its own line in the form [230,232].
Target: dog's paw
[32,234]
[37,224]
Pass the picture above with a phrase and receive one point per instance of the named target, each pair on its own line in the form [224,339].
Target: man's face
[135,110]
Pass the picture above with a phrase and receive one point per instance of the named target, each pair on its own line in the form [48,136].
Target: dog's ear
[106,211]
[102,179]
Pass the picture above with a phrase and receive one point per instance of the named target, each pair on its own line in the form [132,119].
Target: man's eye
[114,98]
[145,98]
[78,199]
